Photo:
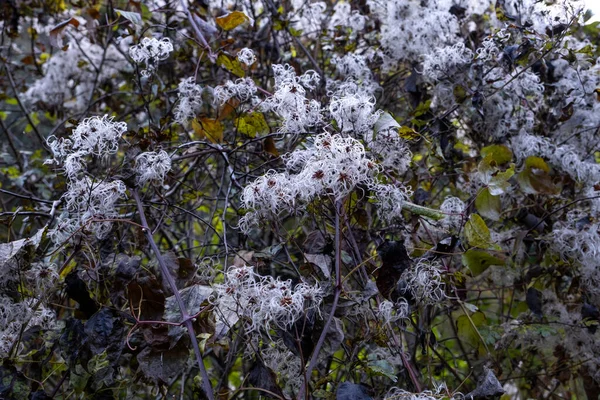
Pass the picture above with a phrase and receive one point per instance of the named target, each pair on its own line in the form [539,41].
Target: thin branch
[26,197]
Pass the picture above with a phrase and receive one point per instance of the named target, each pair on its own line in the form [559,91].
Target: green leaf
[479,260]
[133,17]
[477,232]
[382,368]
[422,108]
[491,334]
[385,122]
[232,20]
[252,124]
[296,32]
[488,205]
[11,249]
[468,328]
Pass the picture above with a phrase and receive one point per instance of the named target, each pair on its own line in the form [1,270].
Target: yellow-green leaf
[488,205]
[478,260]
[198,129]
[477,232]
[498,152]
[535,177]
[498,182]
[213,129]
[232,20]
[536,162]
[231,65]
[408,133]
[208,128]
[460,93]
[252,124]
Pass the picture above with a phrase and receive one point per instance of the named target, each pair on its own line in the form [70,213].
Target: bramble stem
[336,296]
[171,282]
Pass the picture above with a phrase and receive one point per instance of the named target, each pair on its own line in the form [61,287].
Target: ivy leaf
[232,20]
[488,205]
[13,382]
[477,232]
[252,124]
[478,260]
[104,331]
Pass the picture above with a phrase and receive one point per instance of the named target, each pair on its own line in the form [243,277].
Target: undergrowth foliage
[392,199]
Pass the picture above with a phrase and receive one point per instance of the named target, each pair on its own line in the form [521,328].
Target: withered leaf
[161,367]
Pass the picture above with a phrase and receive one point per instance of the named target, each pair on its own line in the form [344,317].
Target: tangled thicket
[390,199]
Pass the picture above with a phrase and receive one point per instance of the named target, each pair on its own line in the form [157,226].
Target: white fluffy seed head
[151,51]
[152,167]
[94,136]
[246,56]
[265,302]
[190,101]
